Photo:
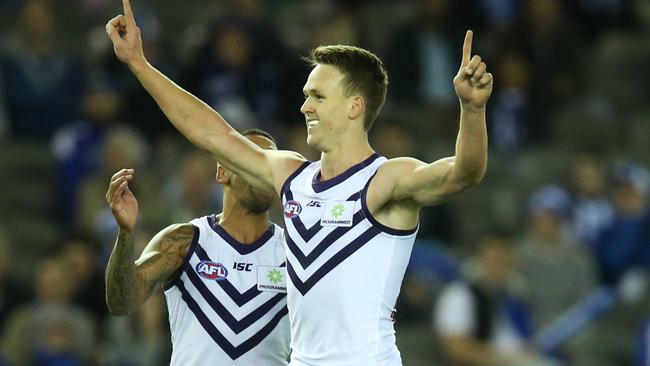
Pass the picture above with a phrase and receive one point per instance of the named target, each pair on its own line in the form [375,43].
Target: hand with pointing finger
[473,83]
[125,36]
[123,204]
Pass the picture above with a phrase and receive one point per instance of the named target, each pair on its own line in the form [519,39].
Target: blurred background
[544,263]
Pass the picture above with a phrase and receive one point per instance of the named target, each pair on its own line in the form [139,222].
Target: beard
[257,203]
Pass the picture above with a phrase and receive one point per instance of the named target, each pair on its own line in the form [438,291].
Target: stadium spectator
[480,320]
[548,257]
[78,145]
[86,278]
[234,75]
[9,294]
[623,246]
[421,57]
[552,43]
[192,190]
[591,208]
[45,83]
[643,345]
[50,330]
[510,111]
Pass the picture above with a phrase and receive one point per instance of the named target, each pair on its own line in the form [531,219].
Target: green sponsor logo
[338,210]
[274,276]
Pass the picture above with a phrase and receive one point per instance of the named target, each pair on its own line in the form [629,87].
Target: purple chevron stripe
[323,185]
[241,248]
[308,234]
[234,352]
[285,185]
[307,260]
[240,298]
[237,326]
[377,224]
[337,259]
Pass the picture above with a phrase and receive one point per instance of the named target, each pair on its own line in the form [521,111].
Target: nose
[306,107]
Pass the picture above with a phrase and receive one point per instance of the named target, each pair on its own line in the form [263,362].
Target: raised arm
[421,184]
[129,283]
[199,123]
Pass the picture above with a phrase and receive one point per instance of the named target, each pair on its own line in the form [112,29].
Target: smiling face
[327,109]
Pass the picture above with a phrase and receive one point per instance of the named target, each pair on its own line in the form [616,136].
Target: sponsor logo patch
[271,278]
[292,209]
[338,213]
[212,270]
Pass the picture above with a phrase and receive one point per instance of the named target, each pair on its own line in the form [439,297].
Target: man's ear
[358,107]
[222,175]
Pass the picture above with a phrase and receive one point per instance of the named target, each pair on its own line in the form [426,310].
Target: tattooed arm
[129,284]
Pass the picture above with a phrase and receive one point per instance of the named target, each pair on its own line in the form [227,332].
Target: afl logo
[212,271]
[292,209]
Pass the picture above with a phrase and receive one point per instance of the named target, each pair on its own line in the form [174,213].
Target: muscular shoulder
[396,167]
[389,175]
[174,240]
[283,163]
[178,233]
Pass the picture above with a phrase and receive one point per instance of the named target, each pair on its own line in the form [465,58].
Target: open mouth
[312,123]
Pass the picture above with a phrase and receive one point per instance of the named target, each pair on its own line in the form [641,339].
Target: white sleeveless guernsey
[228,306]
[344,269]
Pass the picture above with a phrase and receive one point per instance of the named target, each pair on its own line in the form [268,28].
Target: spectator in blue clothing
[237,76]
[643,345]
[43,84]
[591,208]
[78,145]
[624,245]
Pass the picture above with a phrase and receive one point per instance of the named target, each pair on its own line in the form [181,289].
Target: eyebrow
[311,91]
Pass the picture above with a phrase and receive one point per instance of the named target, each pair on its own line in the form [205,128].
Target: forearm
[470,162]
[121,277]
[197,121]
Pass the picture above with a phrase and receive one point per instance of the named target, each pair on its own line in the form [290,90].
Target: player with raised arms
[223,275]
[351,218]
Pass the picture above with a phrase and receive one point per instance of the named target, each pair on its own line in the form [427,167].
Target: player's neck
[345,155]
[241,224]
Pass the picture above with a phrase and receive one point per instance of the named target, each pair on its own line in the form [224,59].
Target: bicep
[428,184]
[163,256]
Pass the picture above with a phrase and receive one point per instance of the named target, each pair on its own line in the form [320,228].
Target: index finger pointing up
[467,47]
[128,13]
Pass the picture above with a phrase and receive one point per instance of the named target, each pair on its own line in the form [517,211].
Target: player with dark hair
[351,218]
[223,275]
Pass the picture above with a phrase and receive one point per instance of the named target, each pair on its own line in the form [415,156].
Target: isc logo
[246,267]
[212,271]
[292,209]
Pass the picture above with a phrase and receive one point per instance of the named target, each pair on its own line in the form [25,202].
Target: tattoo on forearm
[120,276]
[128,283]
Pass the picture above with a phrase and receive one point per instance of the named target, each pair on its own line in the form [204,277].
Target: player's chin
[258,207]
[311,139]
[259,202]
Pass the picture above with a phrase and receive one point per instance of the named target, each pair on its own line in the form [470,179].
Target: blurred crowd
[545,263]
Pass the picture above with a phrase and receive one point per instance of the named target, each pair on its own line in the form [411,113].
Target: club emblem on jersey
[212,271]
[292,209]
